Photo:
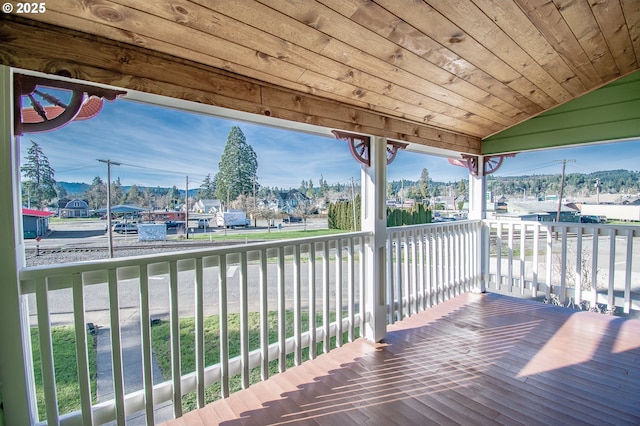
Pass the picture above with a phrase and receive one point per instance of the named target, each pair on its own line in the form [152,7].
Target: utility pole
[564,164]
[353,197]
[186,210]
[597,191]
[109,163]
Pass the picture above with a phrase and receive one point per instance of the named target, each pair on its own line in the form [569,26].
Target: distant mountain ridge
[77,189]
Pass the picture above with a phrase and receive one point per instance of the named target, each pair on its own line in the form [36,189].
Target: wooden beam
[47,48]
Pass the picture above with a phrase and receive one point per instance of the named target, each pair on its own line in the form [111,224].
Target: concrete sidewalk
[132,369]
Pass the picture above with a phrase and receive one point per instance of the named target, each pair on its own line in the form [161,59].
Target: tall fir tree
[96,196]
[237,168]
[40,185]
[423,184]
[207,189]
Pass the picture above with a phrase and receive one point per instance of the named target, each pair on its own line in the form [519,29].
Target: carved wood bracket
[86,102]
[491,163]
[359,146]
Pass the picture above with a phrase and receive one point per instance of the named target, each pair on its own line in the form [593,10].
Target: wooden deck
[477,359]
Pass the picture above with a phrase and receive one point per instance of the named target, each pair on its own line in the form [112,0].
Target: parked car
[589,219]
[172,224]
[292,219]
[113,222]
[125,228]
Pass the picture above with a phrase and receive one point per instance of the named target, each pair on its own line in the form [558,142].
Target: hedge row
[341,215]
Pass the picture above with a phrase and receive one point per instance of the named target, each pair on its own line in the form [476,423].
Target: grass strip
[160,334]
[63,339]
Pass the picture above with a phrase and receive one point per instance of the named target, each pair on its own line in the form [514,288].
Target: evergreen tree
[207,190]
[117,194]
[134,196]
[423,184]
[310,191]
[40,185]
[96,196]
[174,197]
[237,168]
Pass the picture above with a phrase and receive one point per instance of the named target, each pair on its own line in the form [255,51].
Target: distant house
[206,206]
[75,208]
[35,222]
[289,201]
[542,211]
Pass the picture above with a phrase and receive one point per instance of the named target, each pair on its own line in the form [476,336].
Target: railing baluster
[174,317]
[578,267]
[421,277]
[361,291]
[549,261]
[523,239]
[406,278]
[116,346]
[264,318]
[223,324]
[326,343]
[440,278]
[594,267]
[199,295]
[510,258]
[390,279]
[351,290]
[46,351]
[563,266]
[312,301]
[611,298]
[431,264]
[414,273]
[145,334]
[499,257]
[536,266]
[81,349]
[244,320]
[399,280]
[338,292]
[297,318]
[627,278]
[282,330]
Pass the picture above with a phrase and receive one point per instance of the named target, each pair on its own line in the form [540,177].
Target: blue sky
[161,146]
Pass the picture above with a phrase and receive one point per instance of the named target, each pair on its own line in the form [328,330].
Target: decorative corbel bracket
[86,102]
[491,163]
[360,145]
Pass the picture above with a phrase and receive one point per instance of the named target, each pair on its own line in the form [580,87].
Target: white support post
[478,211]
[374,220]
[14,366]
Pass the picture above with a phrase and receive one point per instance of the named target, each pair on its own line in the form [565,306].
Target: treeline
[610,181]
[341,215]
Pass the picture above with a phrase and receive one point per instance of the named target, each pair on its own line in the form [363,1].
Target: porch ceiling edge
[42,47]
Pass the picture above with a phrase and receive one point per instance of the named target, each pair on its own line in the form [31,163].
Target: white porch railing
[587,265]
[280,276]
[426,265]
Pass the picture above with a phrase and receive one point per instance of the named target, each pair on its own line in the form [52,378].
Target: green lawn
[160,333]
[66,369]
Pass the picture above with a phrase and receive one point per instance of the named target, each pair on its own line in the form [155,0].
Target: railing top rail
[603,229]
[35,272]
[450,224]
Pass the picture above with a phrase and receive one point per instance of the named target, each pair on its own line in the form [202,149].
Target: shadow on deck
[475,359]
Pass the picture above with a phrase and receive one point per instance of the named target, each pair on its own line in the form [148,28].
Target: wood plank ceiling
[437,72]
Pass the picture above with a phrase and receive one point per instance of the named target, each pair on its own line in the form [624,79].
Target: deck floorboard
[477,359]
